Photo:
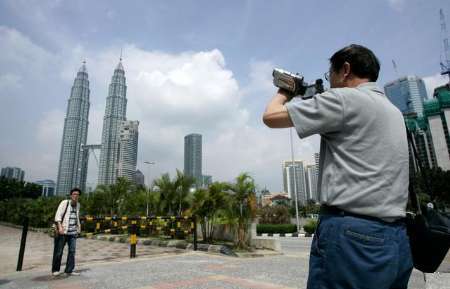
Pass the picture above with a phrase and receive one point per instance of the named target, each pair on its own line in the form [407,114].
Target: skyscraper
[294,180]
[13,173]
[70,173]
[407,94]
[311,182]
[437,113]
[139,178]
[128,148]
[115,114]
[193,156]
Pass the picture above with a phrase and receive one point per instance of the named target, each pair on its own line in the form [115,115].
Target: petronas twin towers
[118,156]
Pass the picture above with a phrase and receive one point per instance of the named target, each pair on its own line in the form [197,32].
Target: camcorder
[295,85]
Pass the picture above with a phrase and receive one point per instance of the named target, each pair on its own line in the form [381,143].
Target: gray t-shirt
[364,164]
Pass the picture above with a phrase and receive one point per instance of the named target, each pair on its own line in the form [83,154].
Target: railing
[143,226]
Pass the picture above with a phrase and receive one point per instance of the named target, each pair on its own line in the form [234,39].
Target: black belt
[335,211]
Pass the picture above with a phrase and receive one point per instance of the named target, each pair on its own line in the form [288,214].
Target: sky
[191,67]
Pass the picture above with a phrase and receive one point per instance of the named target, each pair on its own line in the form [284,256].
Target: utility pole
[149,183]
[295,181]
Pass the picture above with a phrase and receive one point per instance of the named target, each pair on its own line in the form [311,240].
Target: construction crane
[445,56]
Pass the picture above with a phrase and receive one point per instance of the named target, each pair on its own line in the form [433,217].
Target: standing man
[68,227]
[361,240]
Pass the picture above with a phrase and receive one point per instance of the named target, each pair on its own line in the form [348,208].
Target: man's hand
[276,114]
[60,229]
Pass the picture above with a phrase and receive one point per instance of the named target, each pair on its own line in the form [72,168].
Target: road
[171,270]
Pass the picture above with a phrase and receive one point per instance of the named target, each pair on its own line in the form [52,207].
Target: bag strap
[65,211]
[412,194]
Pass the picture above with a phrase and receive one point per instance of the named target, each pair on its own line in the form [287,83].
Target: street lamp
[295,182]
[149,182]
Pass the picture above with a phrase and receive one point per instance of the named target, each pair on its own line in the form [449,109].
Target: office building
[48,187]
[193,157]
[13,173]
[70,172]
[294,181]
[128,148]
[407,94]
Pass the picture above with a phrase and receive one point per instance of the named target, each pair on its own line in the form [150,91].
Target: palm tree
[207,206]
[183,185]
[167,189]
[242,206]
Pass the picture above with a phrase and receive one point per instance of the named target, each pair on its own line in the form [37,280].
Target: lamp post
[149,183]
[295,182]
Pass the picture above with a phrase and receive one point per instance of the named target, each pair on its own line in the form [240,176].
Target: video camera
[295,85]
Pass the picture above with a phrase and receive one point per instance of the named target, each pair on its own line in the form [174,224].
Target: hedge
[310,226]
[276,229]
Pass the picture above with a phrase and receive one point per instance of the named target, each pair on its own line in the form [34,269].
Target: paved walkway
[39,250]
[162,269]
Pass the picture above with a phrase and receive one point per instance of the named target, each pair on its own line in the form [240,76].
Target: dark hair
[363,63]
[75,190]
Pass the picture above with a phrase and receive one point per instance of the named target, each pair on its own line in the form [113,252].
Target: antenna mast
[445,60]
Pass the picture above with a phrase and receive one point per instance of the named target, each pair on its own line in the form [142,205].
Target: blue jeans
[350,252]
[60,242]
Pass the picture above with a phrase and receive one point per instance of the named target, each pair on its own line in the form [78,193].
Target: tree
[242,206]
[437,185]
[208,205]
[183,185]
[167,189]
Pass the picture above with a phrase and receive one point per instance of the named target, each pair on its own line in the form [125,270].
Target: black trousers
[60,242]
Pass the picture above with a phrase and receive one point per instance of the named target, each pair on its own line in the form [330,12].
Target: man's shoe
[73,274]
[56,273]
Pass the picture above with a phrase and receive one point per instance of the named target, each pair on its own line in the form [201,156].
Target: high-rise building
[115,114]
[139,178]
[193,156]
[294,180]
[437,114]
[70,172]
[128,148]
[206,180]
[407,94]
[13,173]
[48,187]
[418,126]
[311,182]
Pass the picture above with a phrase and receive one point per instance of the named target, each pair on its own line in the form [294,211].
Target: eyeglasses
[327,75]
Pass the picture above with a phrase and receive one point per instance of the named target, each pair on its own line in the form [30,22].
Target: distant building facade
[128,149]
[294,181]
[311,182]
[13,173]
[193,156]
[139,178]
[407,94]
[48,188]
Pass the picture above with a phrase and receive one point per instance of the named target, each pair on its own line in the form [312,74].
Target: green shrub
[310,226]
[276,229]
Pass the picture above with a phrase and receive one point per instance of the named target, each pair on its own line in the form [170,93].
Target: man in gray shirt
[361,239]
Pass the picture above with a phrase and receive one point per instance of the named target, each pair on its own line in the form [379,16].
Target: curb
[40,230]
[283,235]
[179,244]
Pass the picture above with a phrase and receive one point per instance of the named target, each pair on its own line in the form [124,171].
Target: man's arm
[276,114]
[58,217]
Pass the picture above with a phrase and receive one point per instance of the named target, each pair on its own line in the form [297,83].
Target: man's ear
[346,69]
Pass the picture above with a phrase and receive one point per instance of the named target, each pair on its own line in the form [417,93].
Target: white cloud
[397,4]
[433,81]
[171,95]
